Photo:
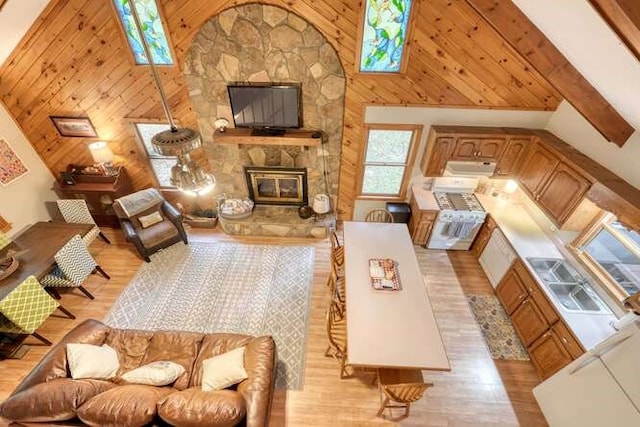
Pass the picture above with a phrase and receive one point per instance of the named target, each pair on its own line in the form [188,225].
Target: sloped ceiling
[16,17]
[584,38]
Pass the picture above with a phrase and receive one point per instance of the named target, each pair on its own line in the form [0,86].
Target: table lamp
[102,156]
[321,205]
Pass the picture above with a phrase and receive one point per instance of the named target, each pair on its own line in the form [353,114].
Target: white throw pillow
[149,220]
[222,371]
[156,373]
[92,361]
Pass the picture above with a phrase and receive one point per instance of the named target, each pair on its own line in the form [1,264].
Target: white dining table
[386,328]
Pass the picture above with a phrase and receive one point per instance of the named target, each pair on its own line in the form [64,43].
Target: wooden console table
[99,196]
[291,137]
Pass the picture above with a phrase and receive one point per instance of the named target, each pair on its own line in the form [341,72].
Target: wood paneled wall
[75,61]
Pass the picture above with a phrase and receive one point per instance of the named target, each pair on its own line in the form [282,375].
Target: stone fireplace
[263,43]
[277,186]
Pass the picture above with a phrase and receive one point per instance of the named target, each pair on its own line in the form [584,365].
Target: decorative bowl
[7,266]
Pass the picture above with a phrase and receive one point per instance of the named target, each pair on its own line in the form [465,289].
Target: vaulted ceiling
[75,61]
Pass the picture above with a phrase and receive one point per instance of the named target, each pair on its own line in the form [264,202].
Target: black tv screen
[266,105]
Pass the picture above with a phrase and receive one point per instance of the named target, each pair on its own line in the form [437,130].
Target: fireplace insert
[277,185]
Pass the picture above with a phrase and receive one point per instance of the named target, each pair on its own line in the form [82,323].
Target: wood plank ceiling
[75,61]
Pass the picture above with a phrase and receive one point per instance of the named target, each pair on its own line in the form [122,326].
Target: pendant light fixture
[186,175]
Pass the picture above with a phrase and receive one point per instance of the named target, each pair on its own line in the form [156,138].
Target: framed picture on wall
[11,166]
[74,126]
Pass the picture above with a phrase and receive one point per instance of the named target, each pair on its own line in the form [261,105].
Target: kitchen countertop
[424,198]
[528,240]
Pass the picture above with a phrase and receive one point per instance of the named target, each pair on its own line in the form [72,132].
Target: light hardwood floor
[478,390]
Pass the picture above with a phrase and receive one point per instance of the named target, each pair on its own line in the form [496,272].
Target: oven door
[455,231]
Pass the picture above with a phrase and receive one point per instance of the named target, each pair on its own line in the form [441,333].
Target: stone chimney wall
[261,43]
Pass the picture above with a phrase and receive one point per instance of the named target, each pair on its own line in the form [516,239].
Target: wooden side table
[99,196]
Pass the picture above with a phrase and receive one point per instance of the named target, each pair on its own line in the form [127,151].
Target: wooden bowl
[6,271]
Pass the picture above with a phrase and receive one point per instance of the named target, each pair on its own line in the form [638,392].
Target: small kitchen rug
[497,330]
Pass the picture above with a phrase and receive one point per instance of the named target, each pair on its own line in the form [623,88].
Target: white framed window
[612,252]
[160,165]
[389,154]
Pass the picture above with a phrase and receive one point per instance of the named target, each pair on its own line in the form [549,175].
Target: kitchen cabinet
[511,291]
[553,184]
[479,147]
[537,168]
[548,354]
[549,341]
[509,163]
[441,151]
[563,191]
[529,321]
[483,236]
[420,223]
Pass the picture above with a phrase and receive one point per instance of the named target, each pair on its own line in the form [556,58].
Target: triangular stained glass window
[151,27]
[384,34]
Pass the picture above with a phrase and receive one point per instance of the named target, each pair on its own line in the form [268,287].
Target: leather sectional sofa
[48,394]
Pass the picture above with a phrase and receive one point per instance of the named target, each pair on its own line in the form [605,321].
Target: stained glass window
[151,27]
[384,33]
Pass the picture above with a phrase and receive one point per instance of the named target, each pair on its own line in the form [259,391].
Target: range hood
[469,168]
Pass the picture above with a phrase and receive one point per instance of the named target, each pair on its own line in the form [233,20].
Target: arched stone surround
[262,43]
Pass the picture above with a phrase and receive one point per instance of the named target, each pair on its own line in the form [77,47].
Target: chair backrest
[379,215]
[405,393]
[4,240]
[338,341]
[28,305]
[75,211]
[135,204]
[75,261]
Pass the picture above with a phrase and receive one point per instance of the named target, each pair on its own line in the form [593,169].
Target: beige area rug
[497,329]
[226,287]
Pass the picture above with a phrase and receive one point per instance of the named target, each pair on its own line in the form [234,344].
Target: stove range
[458,202]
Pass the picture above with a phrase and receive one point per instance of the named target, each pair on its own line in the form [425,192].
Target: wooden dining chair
[337,291]
[76,211]
[74,264]
[26,308]
[337,254]
[379,215]
[399,388]
[337,336]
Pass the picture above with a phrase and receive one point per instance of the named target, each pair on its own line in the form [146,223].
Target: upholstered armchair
[149,221]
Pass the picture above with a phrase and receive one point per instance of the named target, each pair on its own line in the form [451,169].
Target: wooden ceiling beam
[623,16]
[514,26]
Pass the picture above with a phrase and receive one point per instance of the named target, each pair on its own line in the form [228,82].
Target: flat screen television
[266,107]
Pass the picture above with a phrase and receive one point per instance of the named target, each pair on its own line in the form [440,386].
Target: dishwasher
[497,257]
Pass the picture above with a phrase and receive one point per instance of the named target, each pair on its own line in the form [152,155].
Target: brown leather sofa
[48,394]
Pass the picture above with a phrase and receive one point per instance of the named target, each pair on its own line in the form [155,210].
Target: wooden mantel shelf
[291,137]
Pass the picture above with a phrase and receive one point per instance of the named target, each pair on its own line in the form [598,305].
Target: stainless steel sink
[566,286]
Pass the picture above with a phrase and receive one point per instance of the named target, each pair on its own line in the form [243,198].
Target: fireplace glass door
[277,185]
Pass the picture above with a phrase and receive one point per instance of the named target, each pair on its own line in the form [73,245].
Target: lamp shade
[321,204]
[100,152]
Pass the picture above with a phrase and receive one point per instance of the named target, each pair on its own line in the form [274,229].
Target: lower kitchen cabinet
[529,321]
[511,291]
[548,354]
[483,236]
[420,223]
[550,343]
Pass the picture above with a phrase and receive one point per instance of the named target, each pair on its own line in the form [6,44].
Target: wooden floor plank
[478,390]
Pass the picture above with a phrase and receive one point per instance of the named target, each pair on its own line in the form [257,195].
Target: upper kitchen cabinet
[479,147]
[555,186]
[438,151]
[509,163]
[537,169]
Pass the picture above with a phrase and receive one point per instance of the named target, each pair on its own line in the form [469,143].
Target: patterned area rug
[497,330]
[226,287]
